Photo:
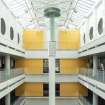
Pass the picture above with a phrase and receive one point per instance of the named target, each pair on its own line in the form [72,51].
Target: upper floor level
[89,39]
[92,34]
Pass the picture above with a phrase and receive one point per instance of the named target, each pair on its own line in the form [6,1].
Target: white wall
[10,20]
[92,20]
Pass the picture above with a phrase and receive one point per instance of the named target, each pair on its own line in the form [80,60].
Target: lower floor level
[44,101]
[32,100]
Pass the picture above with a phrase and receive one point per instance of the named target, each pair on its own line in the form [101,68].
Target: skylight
[30,12]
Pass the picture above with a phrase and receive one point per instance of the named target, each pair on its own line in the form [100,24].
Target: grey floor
[34,101]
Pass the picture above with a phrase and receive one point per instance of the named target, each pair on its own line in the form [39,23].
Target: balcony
[100,74]
[10,82]
[94,83]
[84,101]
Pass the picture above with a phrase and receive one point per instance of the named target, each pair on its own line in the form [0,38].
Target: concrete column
[7,99]
[52,13]
[7,64]
[95,99]
[7,69]
[95,64]
[52,53]
[51,81]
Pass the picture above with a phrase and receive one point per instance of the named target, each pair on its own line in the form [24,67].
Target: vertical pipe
[7,68]
[52,29]
[52,53]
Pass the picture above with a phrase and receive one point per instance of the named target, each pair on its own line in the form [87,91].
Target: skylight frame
[27,8]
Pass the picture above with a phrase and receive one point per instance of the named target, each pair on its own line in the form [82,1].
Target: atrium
[52,52]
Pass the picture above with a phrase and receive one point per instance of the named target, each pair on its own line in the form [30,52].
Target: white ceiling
[30,12]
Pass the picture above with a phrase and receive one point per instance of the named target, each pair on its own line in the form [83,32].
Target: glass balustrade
[13,73]
[100,74]
[84,101]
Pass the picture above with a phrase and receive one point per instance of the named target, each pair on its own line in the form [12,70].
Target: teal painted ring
[52,12]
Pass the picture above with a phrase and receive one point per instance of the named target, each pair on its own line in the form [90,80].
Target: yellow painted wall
[83,91]
[31,66]
[34,66]
[20,63]
[72,90]
[71,66]
[69,40]
[66,90]
[20,91]
[30,90]
[67,66]
[33,39]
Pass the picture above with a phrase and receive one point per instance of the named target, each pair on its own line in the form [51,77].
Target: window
[3,26]
[57,69]
[12,63]
[11,33]
[45,90]
[57,90]
[13,97]
[18,38]
[2,62]
[91,33]
[100,26]
[84,39]
[45,66]
[2,101]
[101,101]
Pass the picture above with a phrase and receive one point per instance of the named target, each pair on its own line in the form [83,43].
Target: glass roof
[30,12]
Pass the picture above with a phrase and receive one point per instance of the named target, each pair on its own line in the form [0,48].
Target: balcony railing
[13,73]
[99,76]
[85,101]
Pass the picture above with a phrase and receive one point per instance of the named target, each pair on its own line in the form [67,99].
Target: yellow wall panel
[69,66]
[20,63]
[83,91]
[30,66]
[69,39]
[83,63]
[69,89]
[72,90]
[30,90]
[20,91]
[72,66]
[33,39]
[34,89]
[34,66]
